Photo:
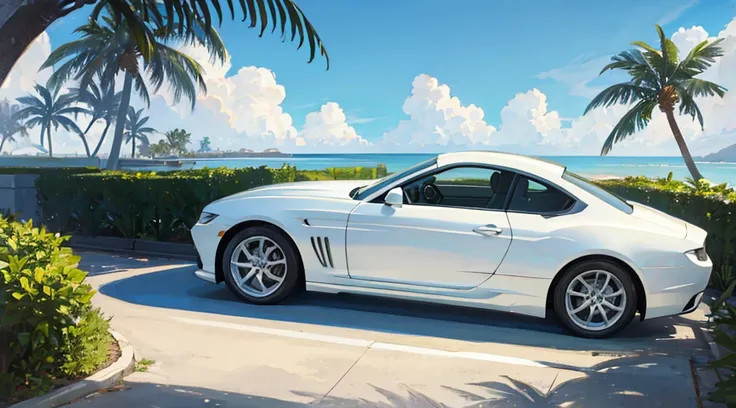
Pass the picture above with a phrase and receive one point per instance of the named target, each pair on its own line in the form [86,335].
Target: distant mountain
[727,154]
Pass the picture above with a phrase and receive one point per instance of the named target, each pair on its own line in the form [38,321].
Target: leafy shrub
[47,326]
[724,334]
[162,206]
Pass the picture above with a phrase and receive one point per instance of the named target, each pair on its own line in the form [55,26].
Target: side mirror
[395,197]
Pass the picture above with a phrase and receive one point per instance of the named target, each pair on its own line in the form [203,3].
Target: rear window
[601,193]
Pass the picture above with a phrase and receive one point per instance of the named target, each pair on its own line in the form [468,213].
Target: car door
[456,242]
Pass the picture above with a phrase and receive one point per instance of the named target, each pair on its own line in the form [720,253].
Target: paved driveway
[345,351]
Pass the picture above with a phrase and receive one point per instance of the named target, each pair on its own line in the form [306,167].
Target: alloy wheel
[258,266]
[595,300]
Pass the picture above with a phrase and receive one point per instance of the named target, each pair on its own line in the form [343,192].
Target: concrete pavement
[345,351]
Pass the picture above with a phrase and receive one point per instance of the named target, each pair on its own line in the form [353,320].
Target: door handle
[488,230]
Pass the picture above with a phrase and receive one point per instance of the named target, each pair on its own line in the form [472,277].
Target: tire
[597,328]
[291,266]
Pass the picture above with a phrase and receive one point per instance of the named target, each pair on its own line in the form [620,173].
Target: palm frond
[30,101]
[181,71]
[27,112]
[71,48]
[184,16]
[688,105]
[147,130]
[624,93]
[46,95]
[698,60]
[700,87]
[637,66]
[68,124]
[637,118]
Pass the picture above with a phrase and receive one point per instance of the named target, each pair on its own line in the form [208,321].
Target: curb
[100,380]
[134,246]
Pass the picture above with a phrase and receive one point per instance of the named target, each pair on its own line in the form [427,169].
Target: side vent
[323,251]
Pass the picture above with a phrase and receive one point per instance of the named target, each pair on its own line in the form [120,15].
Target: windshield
[365,191]
[602,194]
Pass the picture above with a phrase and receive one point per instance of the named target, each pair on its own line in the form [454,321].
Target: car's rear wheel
[260,265]
[595,299]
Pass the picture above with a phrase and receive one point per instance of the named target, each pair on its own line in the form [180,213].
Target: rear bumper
[675,290]
[693,303]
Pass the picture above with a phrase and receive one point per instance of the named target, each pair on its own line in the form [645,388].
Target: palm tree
[10,125]
[21,21]
[204,145]
[135,129]
[659,79]
[178,139]
[103,103]
[108,47]
[50,110]
[161,148]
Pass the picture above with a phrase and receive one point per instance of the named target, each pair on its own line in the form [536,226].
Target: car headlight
[206,218]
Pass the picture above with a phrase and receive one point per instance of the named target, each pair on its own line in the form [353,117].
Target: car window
[365,191]
[465,187]
[602,194]
[531,196]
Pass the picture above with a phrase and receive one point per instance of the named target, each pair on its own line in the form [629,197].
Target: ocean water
[591,166]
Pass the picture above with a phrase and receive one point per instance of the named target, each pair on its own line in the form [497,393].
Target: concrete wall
[18,196]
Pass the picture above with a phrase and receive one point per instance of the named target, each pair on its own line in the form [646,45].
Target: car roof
[539,167]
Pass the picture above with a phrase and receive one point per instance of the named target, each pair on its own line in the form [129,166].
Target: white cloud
[437,118]
[328,127]
[525,121]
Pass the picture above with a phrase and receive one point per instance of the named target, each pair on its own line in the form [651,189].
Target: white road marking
[377,345]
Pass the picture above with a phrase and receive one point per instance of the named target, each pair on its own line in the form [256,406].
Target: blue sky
[485,51]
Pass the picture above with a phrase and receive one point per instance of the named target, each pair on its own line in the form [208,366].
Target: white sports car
[480,229]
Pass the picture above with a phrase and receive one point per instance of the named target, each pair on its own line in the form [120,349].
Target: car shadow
[178,288]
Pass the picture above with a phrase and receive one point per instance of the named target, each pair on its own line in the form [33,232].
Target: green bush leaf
[38,275]
[76,276]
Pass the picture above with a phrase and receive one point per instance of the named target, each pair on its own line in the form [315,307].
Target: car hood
[675,226]
[321,189]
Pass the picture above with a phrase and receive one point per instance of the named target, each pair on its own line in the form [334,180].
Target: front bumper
[206,276]
[206,239]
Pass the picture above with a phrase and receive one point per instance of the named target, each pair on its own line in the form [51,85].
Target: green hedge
[161,206]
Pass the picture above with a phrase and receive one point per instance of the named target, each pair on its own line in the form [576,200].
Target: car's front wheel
[595,299]
[260,265]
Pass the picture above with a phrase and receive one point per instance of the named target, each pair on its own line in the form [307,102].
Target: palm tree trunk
[40,137]
[117,141]
[132,151]
[91,122]
[102,138]
[684,151]
[86,146]
[21,21]
[51,148]
[2,143]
